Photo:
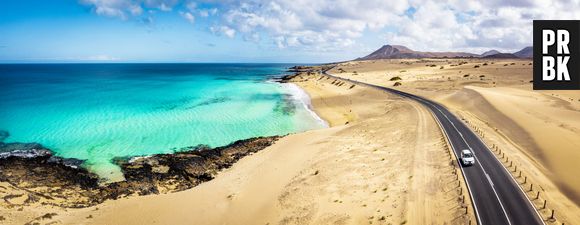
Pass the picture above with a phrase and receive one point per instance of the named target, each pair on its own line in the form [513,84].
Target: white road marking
[489,179]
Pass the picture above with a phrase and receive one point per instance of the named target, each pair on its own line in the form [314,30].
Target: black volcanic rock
[527,52]
[51,180]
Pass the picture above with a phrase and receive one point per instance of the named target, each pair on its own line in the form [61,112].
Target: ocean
[96,112]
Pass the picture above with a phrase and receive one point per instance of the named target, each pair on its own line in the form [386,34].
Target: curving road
[496,197]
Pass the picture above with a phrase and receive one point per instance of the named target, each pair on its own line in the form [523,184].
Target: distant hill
[527,52]
[402,52]
[490,52]
[501,56]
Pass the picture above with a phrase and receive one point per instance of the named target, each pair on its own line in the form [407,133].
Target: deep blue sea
[96,112]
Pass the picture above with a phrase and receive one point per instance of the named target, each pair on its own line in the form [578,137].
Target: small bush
[476,66]
[402,71]
[397,84]
[485,64]
[466,75]
[395,78]
[442,67]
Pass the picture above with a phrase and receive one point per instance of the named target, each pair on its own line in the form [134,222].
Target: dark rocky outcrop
[52,180]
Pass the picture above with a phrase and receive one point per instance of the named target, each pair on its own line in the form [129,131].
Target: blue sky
[310,31]
[69,31]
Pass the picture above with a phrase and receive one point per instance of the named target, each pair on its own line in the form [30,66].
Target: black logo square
[556,54]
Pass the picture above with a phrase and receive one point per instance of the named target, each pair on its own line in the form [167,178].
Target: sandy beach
[383,161]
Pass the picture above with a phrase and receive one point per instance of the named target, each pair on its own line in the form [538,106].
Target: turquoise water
[97,112]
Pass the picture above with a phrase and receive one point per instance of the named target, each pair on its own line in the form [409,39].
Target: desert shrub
[481,76]
[395,78]
[476,66]
[433,65]
[485,64]
[402,71]
[442,67]
[397,84]
[466,75]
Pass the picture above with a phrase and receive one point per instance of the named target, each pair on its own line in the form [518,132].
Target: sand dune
[540,129]
[551,123]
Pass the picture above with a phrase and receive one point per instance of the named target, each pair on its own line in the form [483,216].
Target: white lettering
[548,72]
[563,68]
[563,40]
[547,40]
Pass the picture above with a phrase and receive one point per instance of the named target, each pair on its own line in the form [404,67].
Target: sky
[295,31]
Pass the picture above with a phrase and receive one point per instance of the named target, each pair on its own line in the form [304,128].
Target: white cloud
[114,8]
[207,12]
[188,16]
[191,6]
[331,25]
[125,8]
[223,30]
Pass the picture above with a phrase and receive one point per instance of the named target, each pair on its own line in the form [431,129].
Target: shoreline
[24,157]
[37,150]
[359,170]
[304,98]
[353,173]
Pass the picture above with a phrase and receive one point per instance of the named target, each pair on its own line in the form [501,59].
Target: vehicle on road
[467,158]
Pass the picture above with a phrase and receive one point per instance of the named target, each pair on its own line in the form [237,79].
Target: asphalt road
[496,197]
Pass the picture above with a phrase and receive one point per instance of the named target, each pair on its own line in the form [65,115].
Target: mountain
[501,56]
[490,52]
[527,52]
[402,52]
